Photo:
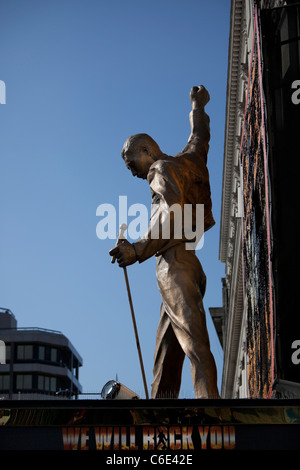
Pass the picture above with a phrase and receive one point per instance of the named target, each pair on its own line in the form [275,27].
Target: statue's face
[138,162]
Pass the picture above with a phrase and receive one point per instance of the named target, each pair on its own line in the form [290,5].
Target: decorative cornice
[232,103]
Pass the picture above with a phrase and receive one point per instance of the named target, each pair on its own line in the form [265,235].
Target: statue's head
[139,152]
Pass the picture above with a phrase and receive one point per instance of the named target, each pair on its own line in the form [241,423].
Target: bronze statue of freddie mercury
[182,179]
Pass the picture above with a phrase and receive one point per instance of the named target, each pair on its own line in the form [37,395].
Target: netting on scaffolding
[255,241]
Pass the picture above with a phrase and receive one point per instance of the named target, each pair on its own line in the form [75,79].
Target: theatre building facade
[259,321]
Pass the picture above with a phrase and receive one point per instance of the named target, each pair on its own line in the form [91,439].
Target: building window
[7,351]
[47,383]
[53,384]
[40,385]
[24,351]
[53,356]
[24,382]
[42,353]
[4,382]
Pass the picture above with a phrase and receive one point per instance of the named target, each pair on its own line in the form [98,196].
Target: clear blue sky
[81,76]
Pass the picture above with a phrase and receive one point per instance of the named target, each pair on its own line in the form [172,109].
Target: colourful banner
[156,427]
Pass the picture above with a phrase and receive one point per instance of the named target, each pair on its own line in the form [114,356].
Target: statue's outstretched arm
[200,131]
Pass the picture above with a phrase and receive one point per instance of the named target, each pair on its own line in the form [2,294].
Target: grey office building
[36,363]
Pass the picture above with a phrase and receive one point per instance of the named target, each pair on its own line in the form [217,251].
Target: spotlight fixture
[114,390]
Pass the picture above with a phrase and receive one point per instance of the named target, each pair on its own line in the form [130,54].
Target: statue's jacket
[179,180]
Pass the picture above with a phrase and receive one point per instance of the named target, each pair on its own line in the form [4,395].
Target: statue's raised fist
[199,96]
